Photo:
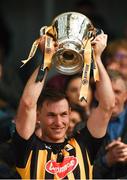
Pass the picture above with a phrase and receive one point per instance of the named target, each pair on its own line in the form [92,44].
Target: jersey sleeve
[86,140]
[22,148]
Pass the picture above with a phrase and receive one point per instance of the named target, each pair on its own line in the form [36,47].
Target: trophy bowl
[70,30]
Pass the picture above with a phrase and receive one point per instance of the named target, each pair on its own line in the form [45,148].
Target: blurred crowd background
[20,23]
[25,18]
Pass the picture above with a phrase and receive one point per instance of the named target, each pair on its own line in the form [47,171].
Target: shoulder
[20,142]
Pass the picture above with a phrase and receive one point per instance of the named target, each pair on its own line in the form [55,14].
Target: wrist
[97,58]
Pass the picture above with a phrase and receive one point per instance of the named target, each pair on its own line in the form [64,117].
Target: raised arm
[100,116]
[26,115]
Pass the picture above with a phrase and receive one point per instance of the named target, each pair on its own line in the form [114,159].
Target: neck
[49,140]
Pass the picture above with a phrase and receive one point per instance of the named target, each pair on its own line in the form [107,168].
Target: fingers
[116,154]
[119,138]
[113,144]
[121,151]
[100,38]
[121,156]
[42,42]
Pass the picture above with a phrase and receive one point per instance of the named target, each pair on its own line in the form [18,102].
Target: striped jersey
[72,159]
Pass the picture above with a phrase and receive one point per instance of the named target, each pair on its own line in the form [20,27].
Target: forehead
[75,82]
[55,106]
[119,84]
[122,50]
[121,54]
[74,114]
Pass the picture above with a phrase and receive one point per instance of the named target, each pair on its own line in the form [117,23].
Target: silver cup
[70,30]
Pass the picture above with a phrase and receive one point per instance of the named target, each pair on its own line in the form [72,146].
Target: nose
[58,120]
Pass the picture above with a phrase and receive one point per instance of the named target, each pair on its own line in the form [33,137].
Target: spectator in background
[115,56]
[72,90]
[57,81]
[111,162]
[77,119]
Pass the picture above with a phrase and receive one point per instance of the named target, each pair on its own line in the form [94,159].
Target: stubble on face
[55,120]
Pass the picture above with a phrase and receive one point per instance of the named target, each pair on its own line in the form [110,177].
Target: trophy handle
[94,33]
[42,30]
[41,71]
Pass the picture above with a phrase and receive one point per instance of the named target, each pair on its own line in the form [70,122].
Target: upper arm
[26,116]
[25,120]
[98,121]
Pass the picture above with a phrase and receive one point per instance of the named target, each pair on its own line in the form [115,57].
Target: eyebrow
[54,114]
[51,113]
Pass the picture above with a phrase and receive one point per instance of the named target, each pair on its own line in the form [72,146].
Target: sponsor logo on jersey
[63,168]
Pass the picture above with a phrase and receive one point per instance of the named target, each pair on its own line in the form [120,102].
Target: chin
[57,140]
[53,139]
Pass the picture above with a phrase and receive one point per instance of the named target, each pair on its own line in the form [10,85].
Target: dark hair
[111,50]
[57,81]
[52,95]
[114,75]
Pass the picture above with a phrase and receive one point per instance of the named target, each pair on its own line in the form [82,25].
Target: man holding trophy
[52,155]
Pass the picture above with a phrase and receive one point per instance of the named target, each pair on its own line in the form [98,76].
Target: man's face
[121,57]
[54,120]
[123,68]
[73,92]
[119,89]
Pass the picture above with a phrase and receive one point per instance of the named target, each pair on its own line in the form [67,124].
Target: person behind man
[77,119]
[72,90]
[112,159]
[115,56]
[52,156]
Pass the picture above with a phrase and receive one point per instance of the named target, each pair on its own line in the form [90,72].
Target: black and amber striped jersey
[72,159]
